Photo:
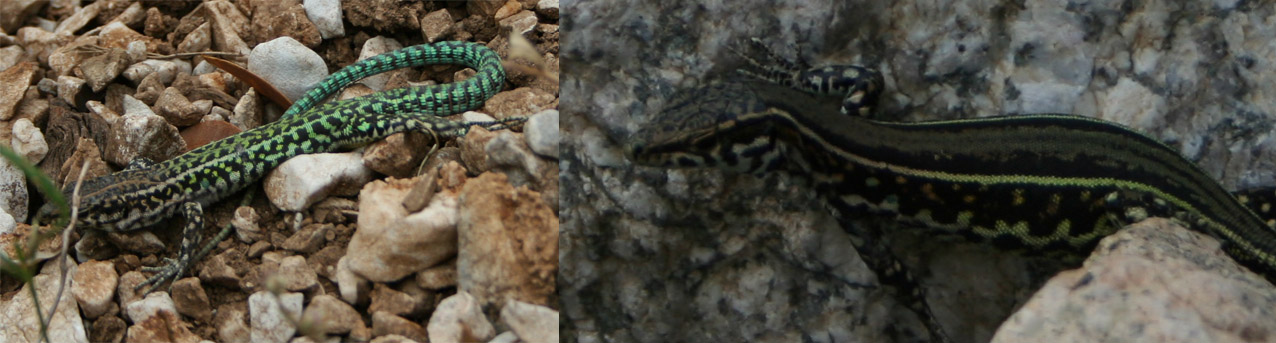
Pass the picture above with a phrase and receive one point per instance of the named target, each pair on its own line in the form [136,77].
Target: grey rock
[437,24]
[134,14]
[99,70]
[228,24]
[247,112]
[163,326]
[39,42]
[177,109]
[532,323]
[217,271]
[136,50]
[337,316]
[398,154]
[548,8]
[393,339]
[134,106]
[352,287]
[13,191]
[206,108]
[13,86]
[438,277]
[232,325]
[376,46]
[204,68]
[11,55]
[137,241]
[287,64]
[28,142]
[309,239]
[265,319]
[94,246]
[70,87]
[19,315]
[138,71]
[197,40]
[63,60]
[384,323]
[190,299]
[505,256]
[392,301]
[509,153]
[1153,281]
[166,71]
[246,225]
[141,310]
[459,318]
[326,15]
[476,116]
[542,133]
[141,133]
[16,11]
[296,274]
[390,243]
[127,291]
[522,22]
[7,224]
[78,19]
[306,179]
[94,287]
[505,337]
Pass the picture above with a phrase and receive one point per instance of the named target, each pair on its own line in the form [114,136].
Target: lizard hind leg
[893,273]
[171,269]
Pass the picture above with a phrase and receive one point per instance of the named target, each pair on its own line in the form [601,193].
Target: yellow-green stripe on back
[1040,182]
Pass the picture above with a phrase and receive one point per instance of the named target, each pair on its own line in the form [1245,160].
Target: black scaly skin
[1038,183]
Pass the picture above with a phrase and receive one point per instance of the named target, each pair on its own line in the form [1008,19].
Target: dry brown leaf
[254,81]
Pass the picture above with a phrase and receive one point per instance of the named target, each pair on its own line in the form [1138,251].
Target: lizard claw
[169,271]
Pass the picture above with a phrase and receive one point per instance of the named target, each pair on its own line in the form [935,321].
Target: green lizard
[145,193]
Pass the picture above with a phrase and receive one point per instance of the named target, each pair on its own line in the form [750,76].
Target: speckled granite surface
[698,255]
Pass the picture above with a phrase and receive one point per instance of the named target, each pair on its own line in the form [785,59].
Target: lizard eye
[635,150]
[45,215]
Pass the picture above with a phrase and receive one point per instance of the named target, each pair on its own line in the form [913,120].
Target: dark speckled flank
[1042,183]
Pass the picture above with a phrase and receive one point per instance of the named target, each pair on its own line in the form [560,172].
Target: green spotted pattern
[146,194]
[441,100]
